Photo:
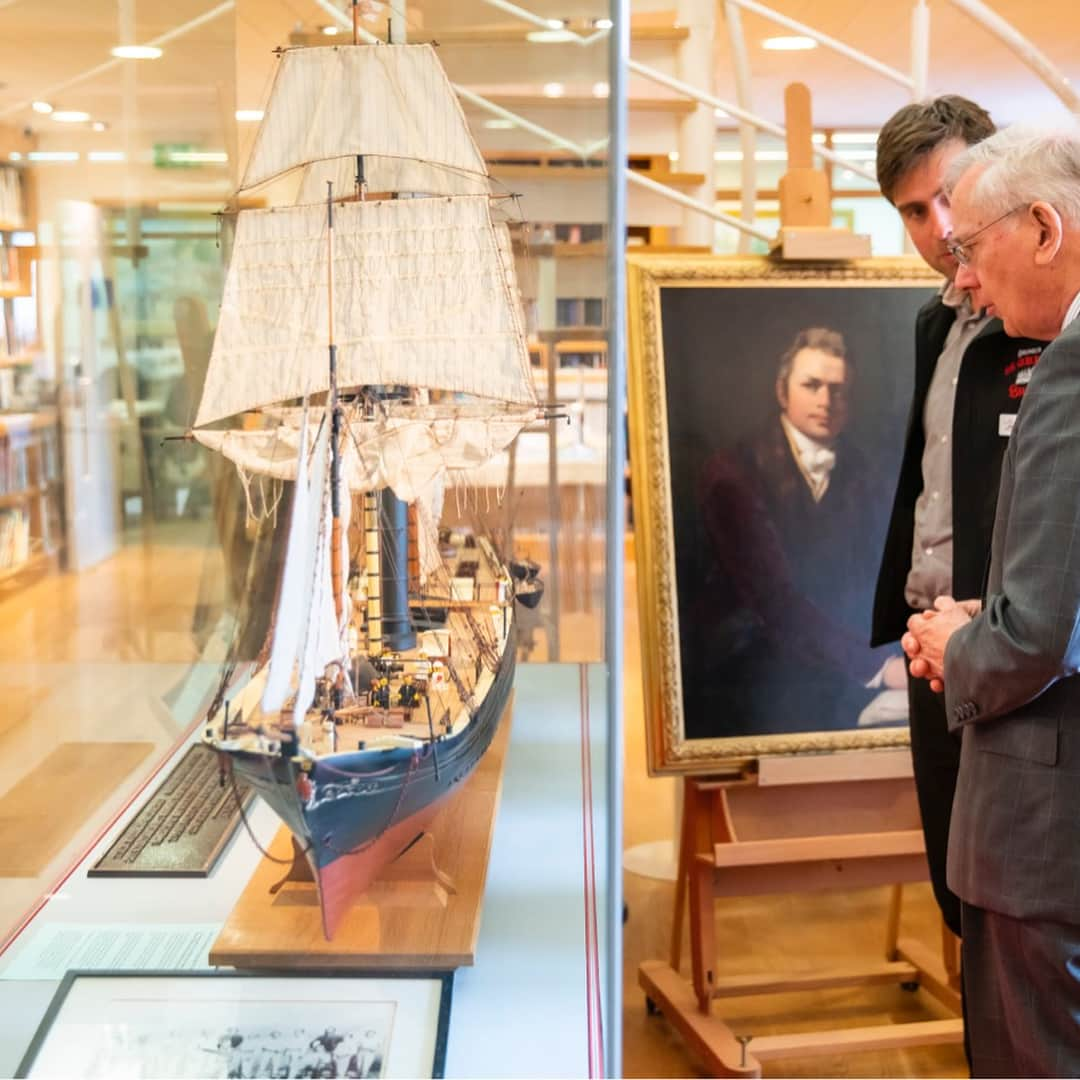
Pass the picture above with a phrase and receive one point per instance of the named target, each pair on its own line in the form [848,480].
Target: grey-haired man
[1011,672]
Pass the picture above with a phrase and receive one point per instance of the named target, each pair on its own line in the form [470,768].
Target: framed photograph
[191,1024]
[768,404]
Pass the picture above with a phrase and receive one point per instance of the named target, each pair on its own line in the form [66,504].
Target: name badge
[1005,423]
[1023,376]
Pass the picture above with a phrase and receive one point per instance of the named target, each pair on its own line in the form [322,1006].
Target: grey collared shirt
[932,551]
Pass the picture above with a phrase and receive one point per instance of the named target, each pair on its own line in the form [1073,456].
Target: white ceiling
[964,58]
[186,95]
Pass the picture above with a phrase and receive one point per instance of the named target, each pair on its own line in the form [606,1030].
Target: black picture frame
[166,1022]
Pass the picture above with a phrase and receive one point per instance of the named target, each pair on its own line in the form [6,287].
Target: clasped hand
[928,636]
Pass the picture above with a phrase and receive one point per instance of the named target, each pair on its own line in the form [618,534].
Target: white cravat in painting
[816,461]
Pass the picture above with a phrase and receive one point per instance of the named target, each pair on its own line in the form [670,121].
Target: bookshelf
[31,486]
[31,527]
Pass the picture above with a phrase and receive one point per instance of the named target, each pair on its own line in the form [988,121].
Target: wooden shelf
[564,249]
[22,360]
[40,561]
[17,498]
[584,101]
[46,418]
[507,34]
[581,344]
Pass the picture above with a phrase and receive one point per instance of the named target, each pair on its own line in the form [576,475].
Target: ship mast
[335,417]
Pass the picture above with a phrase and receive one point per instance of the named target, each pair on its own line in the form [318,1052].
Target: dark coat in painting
[779,624]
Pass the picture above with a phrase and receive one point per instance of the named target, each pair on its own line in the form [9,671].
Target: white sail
[424,295]
[294,598]
[407,450]
[429,506]
[323,638]
[390,101]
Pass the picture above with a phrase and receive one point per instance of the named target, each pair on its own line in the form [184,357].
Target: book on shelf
[14,468]
[11,196]
[14,539]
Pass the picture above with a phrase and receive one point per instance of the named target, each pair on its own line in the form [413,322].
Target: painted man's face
[815,397]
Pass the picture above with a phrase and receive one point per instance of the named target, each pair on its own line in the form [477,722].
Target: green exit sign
[186,156]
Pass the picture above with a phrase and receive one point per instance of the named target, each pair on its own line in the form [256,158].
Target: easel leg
[702,931]
[892,927]
[682,872]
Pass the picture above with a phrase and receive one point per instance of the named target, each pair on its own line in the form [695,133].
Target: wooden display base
[423,912]
[743,838]
[809,242]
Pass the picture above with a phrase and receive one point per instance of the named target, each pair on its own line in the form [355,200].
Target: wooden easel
[788,828]
[806,228]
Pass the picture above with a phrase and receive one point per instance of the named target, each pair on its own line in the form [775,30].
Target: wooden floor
[90,657]
[87,662]
[761,935]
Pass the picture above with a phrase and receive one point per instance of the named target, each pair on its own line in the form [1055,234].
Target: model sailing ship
[380,340]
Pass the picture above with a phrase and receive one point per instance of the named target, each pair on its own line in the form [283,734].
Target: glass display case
[165,561]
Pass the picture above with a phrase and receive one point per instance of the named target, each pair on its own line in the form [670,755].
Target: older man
[1010,673]
[969,381]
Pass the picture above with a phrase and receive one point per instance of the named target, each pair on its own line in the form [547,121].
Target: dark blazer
[780,615]
[1011,675]
[987,389]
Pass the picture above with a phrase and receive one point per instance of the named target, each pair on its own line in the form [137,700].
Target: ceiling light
[70,116]
[759,155]
[330,31]
[602,24]
[601,90]
[136,52]
[551,37]
[98,125]
[249,116]
[554,89]
[555,24]
[673,157]
[53,155]
[106,155]
[498,124]
[15,156]
[789,44]
[42,107]
[858,138]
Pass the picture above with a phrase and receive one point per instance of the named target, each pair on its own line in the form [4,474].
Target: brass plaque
[183,827]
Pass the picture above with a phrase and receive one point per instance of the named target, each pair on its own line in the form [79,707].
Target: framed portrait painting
[203,1024]
[768,407]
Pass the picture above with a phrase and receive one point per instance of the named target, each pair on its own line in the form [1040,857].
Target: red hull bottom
[341,883]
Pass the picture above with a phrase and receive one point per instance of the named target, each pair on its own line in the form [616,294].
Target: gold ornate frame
[669,751]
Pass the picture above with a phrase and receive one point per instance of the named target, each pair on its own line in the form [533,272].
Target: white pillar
[747,132]
[697,131]
[397,22]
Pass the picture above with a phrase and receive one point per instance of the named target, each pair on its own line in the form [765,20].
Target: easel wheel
[650,1006]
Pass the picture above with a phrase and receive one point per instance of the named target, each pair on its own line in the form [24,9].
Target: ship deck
[449,671]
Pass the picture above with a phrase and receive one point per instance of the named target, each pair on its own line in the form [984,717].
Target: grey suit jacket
[1011,678]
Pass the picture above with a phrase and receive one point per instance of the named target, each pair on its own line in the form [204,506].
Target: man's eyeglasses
[960,250]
